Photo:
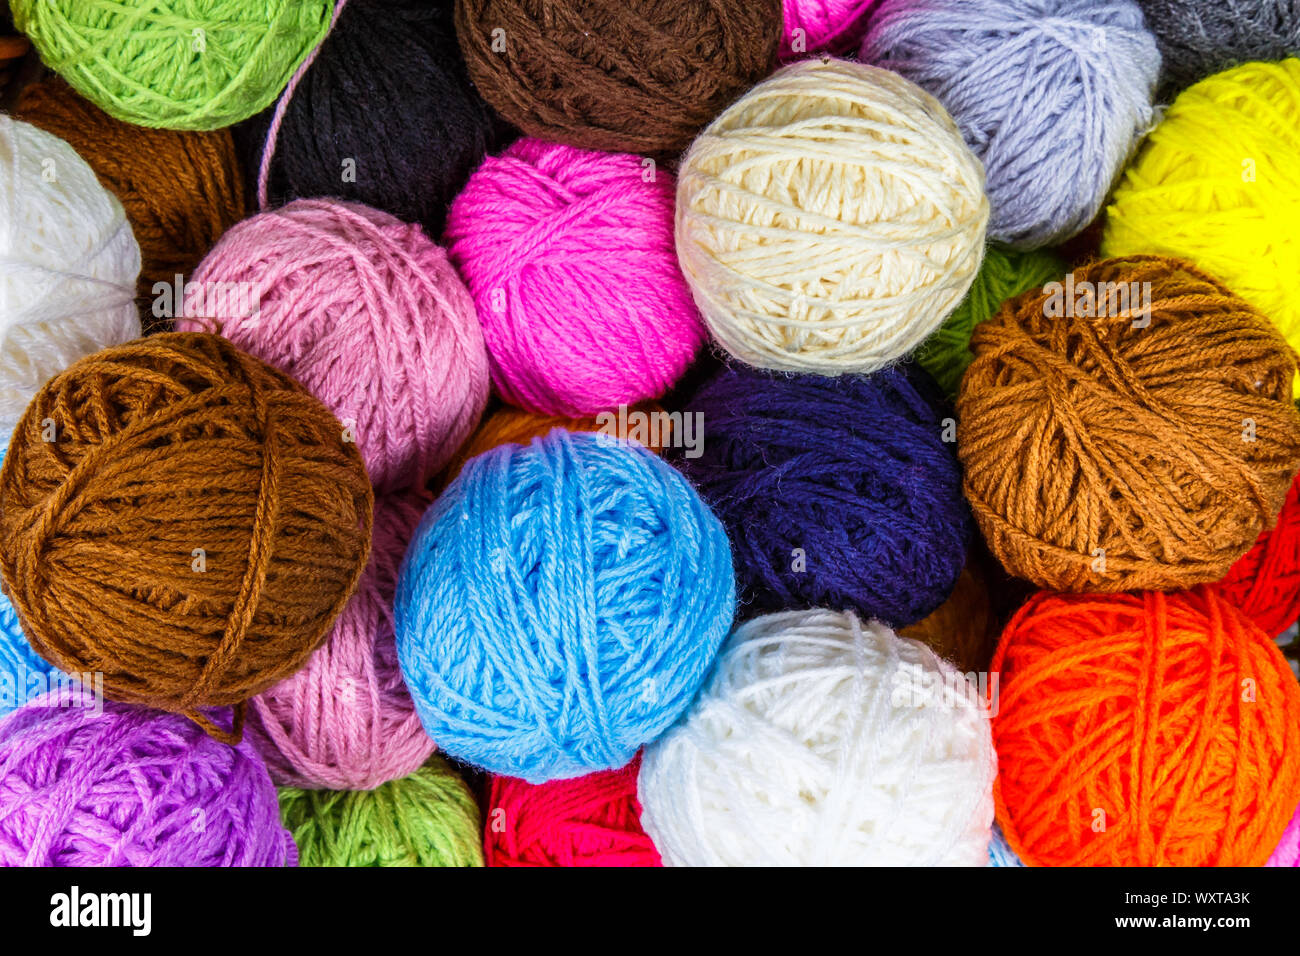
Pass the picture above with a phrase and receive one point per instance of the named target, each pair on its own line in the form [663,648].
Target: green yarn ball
[177,64]
[1004,274]
[427,819]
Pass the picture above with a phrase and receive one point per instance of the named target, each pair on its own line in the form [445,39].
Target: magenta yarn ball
[346,721]
[570,256]
[132,787]
[367,313]
[1288,848]
[831,26]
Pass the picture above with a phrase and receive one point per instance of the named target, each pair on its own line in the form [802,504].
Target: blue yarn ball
[1000,852]
[559,605]
[19,664]
[836,492]
[1052,95]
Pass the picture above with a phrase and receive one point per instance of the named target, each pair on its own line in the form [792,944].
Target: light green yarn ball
[1004,274]
[177,64]
[427,819]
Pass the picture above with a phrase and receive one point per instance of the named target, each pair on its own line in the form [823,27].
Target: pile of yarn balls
[548,433]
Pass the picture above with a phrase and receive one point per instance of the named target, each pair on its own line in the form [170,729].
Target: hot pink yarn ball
[1288,848]
[346,721]
[831,26]
[571,259]
[364,311]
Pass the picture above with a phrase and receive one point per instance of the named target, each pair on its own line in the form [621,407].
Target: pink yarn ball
[364,311]
[346,721]
[570,256]
[832,26]
[1288,848]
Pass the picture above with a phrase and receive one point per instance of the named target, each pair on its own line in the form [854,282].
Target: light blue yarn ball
[1000,852]
[1052,95]
[559,605]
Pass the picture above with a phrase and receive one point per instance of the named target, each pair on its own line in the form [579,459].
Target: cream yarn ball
[68,264]
[830,219]
[824,740]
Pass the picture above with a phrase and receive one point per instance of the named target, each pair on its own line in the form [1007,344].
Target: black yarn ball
[386,115]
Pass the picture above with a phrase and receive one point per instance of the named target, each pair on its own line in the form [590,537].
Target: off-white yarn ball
[823,740]
[68,265]
[830,219]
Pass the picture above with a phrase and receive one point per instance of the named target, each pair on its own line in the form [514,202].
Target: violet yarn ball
[1288,848]
[126,788]
[835,492]
[346,720]
[367,313]
[571,259]
[822,26]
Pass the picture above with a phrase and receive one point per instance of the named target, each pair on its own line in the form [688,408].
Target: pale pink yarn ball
[831,26]
[570,256]
[367,313]
[1288,848]
[346,721]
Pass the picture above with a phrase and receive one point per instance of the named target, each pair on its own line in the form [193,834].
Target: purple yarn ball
[132,787]
[836,492]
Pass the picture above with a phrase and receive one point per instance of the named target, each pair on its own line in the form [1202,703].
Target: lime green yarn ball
[1005,273]
[177,64]
[427,819]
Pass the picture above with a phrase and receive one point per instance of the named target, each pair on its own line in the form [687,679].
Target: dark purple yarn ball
[836,492]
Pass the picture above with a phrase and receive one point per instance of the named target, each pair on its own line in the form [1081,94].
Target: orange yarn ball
[1143,729]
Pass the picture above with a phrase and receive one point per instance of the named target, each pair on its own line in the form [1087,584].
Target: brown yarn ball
[963,629]
[161,447]
[180,190]
[636,76]
[1104,457]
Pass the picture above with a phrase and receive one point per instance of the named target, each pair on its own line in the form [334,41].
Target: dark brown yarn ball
[191,530]
[637,76]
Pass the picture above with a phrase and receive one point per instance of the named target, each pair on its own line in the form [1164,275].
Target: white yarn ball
[830,219]
[68,264]
[821,740]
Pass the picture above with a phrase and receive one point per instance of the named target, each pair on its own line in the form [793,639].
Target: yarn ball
[1152,441]
[814,26]
[591,821]
[848,167]
[1005,274]
[1052,95]
[1143,729]
[426,819]
[68,264]
[191,532]
[835,492]
[176,64]
[385,115]
[963,630]
[367,313]
[824,740]
[1000,854]
[346,721]
[1215,184]
[635,76]
[1265,581]
[180,190]
[569,254]
[559,605]
[131,787]
[1201,37]
[1287,852]
[22,671]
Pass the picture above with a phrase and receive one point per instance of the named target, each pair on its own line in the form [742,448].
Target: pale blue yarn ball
[559,605]
[1000,852]
[1052,96]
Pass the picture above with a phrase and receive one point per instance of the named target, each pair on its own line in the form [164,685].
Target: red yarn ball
[1265,581]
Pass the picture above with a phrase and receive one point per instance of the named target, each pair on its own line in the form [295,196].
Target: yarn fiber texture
[426,819]
[68,264]
[824,740]
[963,630]
[1005,274]
[1000,854]
[835,492]
[176,64]
[830,219]
[591,821]
[816,26]
[21,669]
[346,721]
[1200,37]
[1265,581]
[1052,95]
[1144,458]
[1143,730]
[368,314]
[131,787]
[635,76]
[228,492]
[385,115]
[569,254]
[559,606]
[1215,184]
[1287,852]
[180,190]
